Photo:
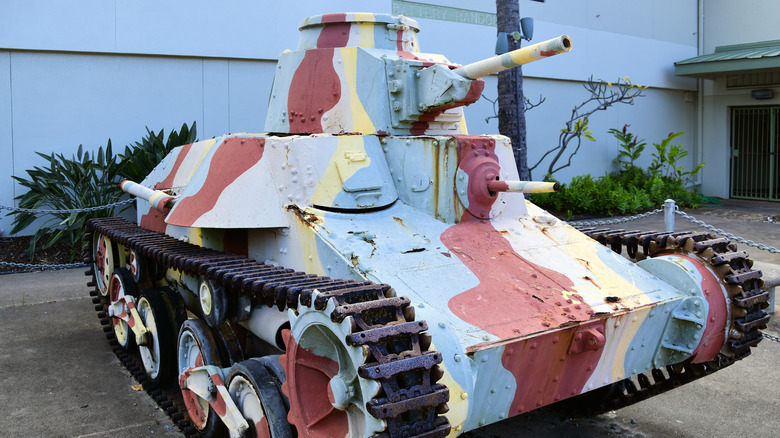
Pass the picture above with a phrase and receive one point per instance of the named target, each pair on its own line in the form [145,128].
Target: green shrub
[86,180]
[630,189]
[82,181]
[665,160]
[139,159]
[630,146]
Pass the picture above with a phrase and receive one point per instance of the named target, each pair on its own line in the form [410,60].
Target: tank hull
[368,269]
[503,286]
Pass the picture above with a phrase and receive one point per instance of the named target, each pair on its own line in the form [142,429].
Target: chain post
[669,208]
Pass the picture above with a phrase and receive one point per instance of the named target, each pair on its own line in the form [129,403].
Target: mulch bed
[15,250]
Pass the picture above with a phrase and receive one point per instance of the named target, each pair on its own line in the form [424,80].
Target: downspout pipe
[699,96]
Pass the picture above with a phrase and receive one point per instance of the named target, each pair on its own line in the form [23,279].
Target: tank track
[742,283]
[410,401]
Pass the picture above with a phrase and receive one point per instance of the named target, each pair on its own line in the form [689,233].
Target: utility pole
[511,102]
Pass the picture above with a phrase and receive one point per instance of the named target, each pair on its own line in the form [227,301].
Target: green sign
[444,13]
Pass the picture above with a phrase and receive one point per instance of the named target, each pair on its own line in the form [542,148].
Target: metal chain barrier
[31,267]
[728,235]
[771,337]
[619,220]
[68,210]
[45,267]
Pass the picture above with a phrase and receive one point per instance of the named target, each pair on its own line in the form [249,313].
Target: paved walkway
[59,377]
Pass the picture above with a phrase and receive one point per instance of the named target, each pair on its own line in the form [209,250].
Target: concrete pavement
[58,375]
[59,378]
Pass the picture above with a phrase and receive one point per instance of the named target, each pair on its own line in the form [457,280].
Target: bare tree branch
[602,96]
[527,104]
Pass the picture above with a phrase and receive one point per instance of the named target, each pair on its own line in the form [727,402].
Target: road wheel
[120,286]
[197,347]
[159,350]
[258,396]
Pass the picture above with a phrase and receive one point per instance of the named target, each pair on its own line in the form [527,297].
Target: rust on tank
[400,221]
[547,234]
[592,281]
[307,217]
[584,262]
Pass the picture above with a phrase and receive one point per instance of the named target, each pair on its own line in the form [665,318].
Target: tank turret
[364,73]
[367,269]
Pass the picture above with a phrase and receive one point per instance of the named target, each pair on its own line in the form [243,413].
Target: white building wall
[726,23]
[6,140]
[80,72]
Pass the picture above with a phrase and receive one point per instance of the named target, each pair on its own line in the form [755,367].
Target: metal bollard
[669,208]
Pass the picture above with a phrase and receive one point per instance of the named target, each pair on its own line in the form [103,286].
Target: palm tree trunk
[511,108]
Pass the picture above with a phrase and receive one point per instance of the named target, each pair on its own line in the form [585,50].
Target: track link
[410,402]
[743,285]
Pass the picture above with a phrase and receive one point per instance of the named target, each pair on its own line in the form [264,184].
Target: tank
[368,268]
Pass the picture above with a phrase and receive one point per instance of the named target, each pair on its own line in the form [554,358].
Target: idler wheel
[197,347]
[104,256]
[122,285]
[257,394]
[158,353]
[327,396]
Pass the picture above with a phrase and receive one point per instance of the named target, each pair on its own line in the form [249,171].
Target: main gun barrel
[515,58]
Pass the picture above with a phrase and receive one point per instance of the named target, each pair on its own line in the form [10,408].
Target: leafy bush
[139,159]
[630,189]
[665,160]
[86,180]
[630,148]
[82,181]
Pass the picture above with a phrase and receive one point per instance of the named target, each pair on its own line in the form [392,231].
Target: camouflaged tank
[367,268]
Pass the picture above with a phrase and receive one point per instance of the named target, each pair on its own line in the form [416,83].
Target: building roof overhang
[733,59]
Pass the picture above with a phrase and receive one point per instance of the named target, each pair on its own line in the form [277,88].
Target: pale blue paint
[370,186]
[371,87]
[409,256]
[277,119]
[494,388]
[644,345]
